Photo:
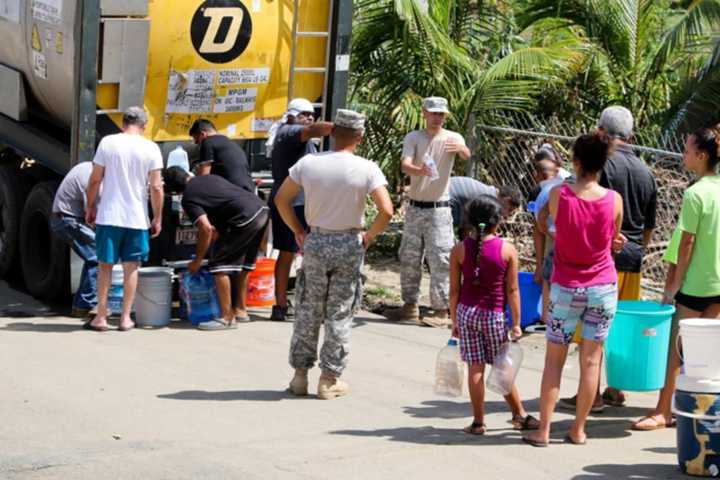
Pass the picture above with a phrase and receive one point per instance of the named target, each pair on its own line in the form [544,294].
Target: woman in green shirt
[694,283]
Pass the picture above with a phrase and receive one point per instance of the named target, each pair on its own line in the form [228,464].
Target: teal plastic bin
[637,348]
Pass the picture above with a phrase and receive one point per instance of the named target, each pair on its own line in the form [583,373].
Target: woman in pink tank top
[483,279]
[583,294]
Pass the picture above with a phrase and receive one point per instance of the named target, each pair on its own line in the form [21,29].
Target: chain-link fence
[505,157]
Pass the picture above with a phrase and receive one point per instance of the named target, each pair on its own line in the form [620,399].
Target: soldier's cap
[436,105]
[349,119]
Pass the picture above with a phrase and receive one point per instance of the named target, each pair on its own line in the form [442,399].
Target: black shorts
[236,249]
[282,237]
[698,304]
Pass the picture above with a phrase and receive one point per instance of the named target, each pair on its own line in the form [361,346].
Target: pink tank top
[489,292]
[584,233]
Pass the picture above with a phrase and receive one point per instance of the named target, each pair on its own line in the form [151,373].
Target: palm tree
[639,52]
[464,50]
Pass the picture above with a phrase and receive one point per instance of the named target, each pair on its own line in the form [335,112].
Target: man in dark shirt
[289,141]
[220,156]
[234,220]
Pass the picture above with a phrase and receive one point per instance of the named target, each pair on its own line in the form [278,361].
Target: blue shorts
[123,244]
[592,309]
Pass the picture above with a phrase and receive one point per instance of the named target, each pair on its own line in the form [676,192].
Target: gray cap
[436,105]
[135,116]
[349,119]
[617,122]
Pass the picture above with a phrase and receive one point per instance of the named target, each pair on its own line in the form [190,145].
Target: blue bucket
[530,300]
[637,347]
[698,432]
[199,301]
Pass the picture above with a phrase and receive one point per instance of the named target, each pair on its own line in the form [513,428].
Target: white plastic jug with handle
[505,368]
[179,158]
[449,370]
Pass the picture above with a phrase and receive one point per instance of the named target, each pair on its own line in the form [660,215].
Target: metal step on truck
[69,68]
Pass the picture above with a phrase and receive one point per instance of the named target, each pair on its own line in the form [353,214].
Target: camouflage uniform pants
[328,290]
[427,231]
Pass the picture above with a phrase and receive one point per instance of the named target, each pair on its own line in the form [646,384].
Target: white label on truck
[236,100]
[39,65]
[10,10]
[342,63]
[262,124]
[190,92]
[243,76]
[49,11]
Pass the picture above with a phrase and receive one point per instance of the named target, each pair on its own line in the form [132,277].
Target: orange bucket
[261,284]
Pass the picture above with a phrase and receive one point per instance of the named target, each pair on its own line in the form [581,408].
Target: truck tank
[227,60]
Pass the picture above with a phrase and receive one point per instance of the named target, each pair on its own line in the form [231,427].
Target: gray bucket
[153,302]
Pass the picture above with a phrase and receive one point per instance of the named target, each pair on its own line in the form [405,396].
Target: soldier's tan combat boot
[299,383]
[437,319]
[409,312]
[330,387]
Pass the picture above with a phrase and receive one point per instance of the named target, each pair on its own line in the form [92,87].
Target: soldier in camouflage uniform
[428,158]
[329,288]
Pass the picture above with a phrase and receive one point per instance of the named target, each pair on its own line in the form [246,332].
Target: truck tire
[44,257]
[12,197]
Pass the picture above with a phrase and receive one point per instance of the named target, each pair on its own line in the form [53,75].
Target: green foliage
[566,59]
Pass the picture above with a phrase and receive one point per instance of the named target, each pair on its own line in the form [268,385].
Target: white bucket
[700,340]
[153,302]
[115,295]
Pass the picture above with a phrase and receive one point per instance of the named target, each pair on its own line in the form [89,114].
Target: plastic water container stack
[696,403]
[449,370]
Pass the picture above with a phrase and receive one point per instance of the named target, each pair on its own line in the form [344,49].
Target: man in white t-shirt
[125,164]
[329,287]
[428,157]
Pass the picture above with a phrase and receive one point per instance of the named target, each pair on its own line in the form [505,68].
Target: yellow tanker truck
[68,68]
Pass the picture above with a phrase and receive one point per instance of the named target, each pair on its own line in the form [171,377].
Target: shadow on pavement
[231,395]
[630,472]
[42,327]
[449,409]
[436,436]
[662,450]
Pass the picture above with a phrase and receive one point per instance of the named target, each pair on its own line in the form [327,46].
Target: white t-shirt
[416,145]
[336,186]
[128,160]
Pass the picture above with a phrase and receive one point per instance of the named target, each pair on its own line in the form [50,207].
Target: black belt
[415,203]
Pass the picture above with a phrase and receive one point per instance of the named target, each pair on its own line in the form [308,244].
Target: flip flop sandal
[90,326]
[125,329]
[649,428]
[535,443]
[245,319]
[475,428]
[569,439]
[527,422]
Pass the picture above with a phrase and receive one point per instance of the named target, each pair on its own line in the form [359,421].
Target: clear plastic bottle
[449,370]
[179,158]
[505,368]
[430,162]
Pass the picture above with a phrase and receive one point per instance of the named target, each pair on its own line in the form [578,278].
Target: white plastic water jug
[179,158]
[449,370]
[700,338]
[505,369]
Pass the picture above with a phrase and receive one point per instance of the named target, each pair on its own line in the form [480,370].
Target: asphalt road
[178,403]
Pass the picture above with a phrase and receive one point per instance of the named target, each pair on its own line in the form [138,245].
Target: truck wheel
[12,196]
[44,257]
